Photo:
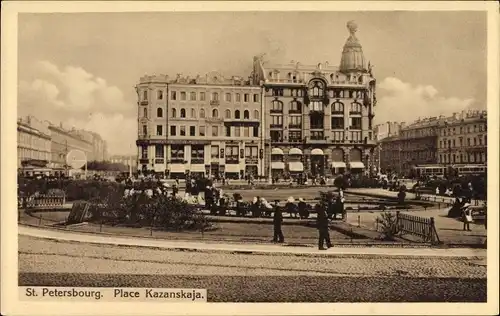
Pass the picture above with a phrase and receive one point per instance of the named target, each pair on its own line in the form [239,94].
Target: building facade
[463,139]
[33,142]
[206,125]
[63,141]
[318,118]
[128,161]
[415,145]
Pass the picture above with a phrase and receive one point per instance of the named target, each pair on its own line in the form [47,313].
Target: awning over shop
[295,151]
[232,168]
[356,165]
[296,166]
[277,165]
[338,164]
[276,151]
[317,152]
[177,168]
[197,168]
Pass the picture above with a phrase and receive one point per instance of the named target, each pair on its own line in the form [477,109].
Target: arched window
[295,107]
[228,114]
[215,113]
[159,112]
[317,88]
[337,108]
[256,115]
[237,114]
[174,112]
[277,106]
[355,107]
[183,113]
[215,96]
[202,113]
[246,115]
[193,113]
[145,113]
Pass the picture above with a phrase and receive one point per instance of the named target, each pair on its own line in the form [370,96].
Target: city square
[258,171]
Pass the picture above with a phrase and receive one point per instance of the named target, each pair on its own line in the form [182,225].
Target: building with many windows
[437,143]
[63,141]
[33,142]
[319,118]
[205,125]
[463,139]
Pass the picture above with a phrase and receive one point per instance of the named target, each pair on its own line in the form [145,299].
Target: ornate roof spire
[352,55]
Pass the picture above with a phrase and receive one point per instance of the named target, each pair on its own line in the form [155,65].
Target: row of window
[193,96]
[451,143]
[468,129]
[215,113]
[177,152]
[315,122]
[24,153]
[297,136]
[295,76]
[182,130]
[296,106]
[317,90]
[463,158]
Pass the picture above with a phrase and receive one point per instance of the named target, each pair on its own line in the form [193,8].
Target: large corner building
[285,119]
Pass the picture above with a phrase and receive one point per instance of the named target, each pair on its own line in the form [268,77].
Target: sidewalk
[247,248]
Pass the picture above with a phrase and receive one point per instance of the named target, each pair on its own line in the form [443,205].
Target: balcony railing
[354,112]
[177,160]
[294,111]
[159,160]
[144,160]
[295,140]
[251,160]
[214,102]
[197,161]
[276,111]
[144,102]
[294,125]
[338,112]
[276,125]
[233,160]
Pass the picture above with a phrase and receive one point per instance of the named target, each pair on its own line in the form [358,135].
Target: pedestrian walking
[322,224]
[277,222]
[467,216]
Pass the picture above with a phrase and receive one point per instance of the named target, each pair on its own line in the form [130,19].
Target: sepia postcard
[271,157]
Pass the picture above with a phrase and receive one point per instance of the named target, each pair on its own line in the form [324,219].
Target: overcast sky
[81,68]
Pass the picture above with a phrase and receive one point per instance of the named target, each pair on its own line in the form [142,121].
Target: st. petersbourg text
[113,294]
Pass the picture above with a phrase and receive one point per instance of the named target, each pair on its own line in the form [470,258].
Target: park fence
[422,227]
[42,201]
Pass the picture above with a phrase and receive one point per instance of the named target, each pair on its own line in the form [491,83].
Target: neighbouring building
[319,118]
[203,125]
[64,140]
[33,143]
[463,138]
[416,144]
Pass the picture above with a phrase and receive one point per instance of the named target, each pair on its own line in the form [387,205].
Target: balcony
[295,140]
[294,125]
[197,161]
[294,112]
[276,125]
[337,112]
[232,160]
[159,161]
[214,102]
[144,102]
[144,160]
[251,160]
[354,112]
[177,160]
[276,111]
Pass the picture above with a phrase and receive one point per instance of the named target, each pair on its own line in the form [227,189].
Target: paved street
[253,277]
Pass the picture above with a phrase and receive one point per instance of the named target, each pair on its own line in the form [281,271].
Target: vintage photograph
[253,156]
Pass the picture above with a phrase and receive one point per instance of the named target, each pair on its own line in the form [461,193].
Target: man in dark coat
[322,223]
[277,222]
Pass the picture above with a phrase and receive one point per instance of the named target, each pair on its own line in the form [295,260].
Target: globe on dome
[352,27]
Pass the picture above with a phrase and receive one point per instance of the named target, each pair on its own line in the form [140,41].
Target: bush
[388,226]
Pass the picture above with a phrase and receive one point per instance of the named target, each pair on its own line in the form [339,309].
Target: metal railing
[44,200]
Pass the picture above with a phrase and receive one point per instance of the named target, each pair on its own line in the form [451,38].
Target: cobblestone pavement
[49,256]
